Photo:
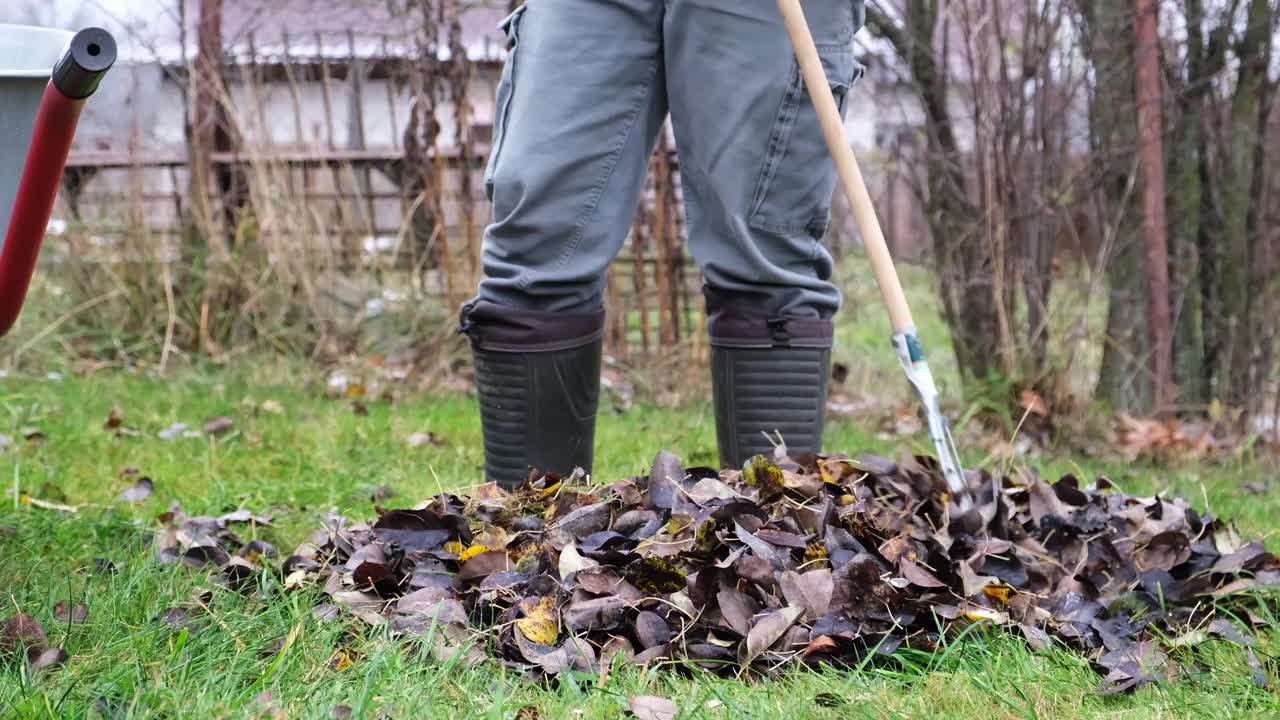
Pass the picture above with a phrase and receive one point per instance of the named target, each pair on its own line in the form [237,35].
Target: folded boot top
[505,328]
[736,321]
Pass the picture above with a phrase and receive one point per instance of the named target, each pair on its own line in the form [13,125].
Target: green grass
[320,455]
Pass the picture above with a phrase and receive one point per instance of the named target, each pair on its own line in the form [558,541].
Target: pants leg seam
[779,136]
[598,190]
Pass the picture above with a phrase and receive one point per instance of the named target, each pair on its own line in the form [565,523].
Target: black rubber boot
[769,378]
[538,382]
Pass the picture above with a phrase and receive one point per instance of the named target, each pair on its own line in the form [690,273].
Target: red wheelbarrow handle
[75,78]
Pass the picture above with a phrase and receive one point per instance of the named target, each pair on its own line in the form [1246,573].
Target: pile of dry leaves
[788,561]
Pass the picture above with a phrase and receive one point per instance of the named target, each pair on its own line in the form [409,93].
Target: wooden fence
[385,187]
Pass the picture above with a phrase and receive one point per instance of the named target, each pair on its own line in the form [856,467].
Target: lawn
[318,454]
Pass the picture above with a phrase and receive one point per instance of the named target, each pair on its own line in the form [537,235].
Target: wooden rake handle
[815,78]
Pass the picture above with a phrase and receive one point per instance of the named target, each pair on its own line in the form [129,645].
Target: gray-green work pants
[583,94]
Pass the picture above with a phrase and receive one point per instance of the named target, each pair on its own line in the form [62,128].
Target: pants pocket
[797,180]
[502,101]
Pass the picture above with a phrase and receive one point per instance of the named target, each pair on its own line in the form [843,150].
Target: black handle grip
[92,53]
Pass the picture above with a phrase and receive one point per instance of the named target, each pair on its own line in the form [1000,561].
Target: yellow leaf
[355,390]
[998,592]
[471,552]
[551,490]
[455,547]
[341,660]
[540,623]
[977,613]
[815,555]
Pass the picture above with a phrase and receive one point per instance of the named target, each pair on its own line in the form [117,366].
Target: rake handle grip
[855,188]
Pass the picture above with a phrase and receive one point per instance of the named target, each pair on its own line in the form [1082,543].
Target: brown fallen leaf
[651,630]
[599,613]
[180,618]
[218,425]
[918,575]
[45,658]
[616,647]
[327,613]
[664,477]
[651,707]
[140,491]
[70,614]
[422,439]
[1033,403]
[743,563]
[820,644]
[1132,667]
[811,591]
[737,608]
[20,633]
[485,564]
[767,630]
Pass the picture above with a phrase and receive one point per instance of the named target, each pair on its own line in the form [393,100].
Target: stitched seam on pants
[778,140]
[502,113]
[780,144]
[598,190]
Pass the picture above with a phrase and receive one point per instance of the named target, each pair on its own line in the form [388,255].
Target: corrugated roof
[315,27]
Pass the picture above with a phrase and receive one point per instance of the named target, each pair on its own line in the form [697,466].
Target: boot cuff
[504,328]
[735,321]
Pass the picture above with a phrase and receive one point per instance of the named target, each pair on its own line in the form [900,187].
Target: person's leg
[579,105]
[758,182]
